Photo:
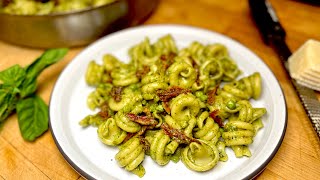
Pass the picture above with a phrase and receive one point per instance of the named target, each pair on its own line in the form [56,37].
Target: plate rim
[84,174]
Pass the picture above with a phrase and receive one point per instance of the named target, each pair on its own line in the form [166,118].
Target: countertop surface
[299,154]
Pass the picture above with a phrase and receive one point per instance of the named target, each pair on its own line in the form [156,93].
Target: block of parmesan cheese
[304,64]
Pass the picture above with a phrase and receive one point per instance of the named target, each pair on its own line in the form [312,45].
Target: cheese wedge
[304,64]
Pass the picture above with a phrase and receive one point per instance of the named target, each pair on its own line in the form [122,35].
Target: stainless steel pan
[73,28]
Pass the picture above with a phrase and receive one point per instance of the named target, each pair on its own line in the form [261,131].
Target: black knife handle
[266,20]
[281,48]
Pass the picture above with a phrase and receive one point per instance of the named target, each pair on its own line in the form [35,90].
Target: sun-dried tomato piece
[166,107]
[212,94]
[145,143]
[143,120]
[167,60]
[174,91]
[216,118]
[116,93]
[177,135]
[129,136]
[139,133]
[104,112]
[197,69]
[142,72]
[142,130]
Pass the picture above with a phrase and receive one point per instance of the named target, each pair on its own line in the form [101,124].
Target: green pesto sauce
[32,7]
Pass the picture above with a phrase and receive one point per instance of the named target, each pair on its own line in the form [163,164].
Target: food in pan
[40,7]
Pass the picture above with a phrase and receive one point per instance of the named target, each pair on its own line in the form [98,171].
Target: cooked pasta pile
[41,7]
[173,104]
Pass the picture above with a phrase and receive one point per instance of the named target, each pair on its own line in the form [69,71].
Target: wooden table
[299,154]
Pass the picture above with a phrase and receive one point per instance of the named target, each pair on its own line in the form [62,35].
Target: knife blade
[273,34]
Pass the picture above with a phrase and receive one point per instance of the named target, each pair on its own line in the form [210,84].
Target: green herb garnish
[17,92]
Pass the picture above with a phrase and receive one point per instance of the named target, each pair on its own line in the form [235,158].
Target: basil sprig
[17,92]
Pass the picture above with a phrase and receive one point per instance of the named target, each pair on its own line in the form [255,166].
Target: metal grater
[310,104]
[274,35]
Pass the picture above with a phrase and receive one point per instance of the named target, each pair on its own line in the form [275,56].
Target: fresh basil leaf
[3,104]
[13,76]
[8,101]
[32,117]
[29,85]
[48,58]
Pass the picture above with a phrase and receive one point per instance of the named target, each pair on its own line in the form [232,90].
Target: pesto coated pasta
[37,7]
[174,104]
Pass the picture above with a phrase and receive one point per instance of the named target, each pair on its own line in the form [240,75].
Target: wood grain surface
[299,154]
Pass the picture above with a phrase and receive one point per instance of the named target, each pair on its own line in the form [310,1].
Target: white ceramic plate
[94,160]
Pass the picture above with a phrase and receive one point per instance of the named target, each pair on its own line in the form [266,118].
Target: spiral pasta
[93,120]
[165,45]
[145,53]
[246,112]
[181,74]
[95,74]
[131,155]
[99,96]
[183,107]
[207,129]
[245,88]
[200,157]
[124,76]
[238,135]
[167,103]
[110,62]
[224,107]
[157,148]
[124,123]
[221,146]
[211,72]
[128,98]
[151,83]
[110,134]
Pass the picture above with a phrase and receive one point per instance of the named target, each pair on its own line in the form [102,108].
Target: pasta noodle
[200,156]
[209,131]
[99,96]
[110,134]
[174,105]
[158,146]
[36,7]
[131,155]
